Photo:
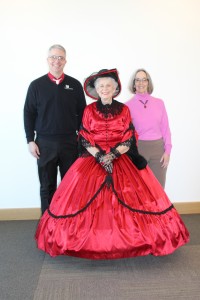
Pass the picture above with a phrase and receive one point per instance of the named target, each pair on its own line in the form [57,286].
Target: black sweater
[53,110]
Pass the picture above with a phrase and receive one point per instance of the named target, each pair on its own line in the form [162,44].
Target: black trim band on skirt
[109,182]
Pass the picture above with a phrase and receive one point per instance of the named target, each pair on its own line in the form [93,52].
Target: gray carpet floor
[27,273]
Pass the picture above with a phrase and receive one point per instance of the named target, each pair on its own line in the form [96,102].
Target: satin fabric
[97,215]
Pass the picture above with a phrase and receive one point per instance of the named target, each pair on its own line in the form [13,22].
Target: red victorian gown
[97,215]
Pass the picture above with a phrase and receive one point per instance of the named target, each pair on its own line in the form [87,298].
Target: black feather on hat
[89,87]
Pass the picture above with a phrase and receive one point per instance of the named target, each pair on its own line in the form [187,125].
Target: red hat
[89,87]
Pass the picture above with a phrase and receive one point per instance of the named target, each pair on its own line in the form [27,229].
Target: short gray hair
[57,46]
[112,79]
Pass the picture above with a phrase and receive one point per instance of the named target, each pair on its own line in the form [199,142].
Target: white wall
[161,36]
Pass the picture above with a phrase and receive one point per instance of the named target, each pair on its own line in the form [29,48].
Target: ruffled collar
[109,110]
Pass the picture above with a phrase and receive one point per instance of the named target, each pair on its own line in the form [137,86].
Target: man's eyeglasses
[55,57]
[141,80]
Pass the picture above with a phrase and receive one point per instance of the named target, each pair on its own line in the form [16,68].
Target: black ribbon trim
[82,209]
[109,182]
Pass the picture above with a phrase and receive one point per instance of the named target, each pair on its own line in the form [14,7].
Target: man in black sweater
[52,115]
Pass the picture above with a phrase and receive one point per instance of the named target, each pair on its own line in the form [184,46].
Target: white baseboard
[35,213]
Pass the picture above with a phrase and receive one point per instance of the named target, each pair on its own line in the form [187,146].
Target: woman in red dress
[109,204]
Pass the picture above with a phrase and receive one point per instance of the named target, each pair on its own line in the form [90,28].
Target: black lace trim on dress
[126,143]
[85,207]
[109,183]
[131,127]
[83,144]
[130,141]
[110,110]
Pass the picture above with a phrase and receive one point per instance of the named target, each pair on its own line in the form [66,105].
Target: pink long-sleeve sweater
[151,123]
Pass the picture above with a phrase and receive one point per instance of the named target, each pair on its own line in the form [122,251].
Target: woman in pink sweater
[150,119]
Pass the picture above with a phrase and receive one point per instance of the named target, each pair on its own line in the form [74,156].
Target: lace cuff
[115,152]
[85,143]
[127,143]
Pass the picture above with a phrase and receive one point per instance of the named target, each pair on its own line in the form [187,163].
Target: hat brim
[89,87]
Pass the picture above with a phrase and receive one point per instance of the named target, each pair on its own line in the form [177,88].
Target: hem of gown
[116,255]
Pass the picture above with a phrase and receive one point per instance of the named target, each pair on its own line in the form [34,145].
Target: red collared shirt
[56,80]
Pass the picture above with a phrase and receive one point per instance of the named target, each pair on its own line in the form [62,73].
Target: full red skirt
[99,216]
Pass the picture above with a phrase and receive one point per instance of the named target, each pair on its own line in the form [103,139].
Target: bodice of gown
[106,131]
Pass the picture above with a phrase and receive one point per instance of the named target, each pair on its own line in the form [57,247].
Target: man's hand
[34,150]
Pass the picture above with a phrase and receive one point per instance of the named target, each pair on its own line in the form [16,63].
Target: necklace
[144,103]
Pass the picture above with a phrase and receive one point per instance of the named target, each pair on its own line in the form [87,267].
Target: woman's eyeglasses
[141,80]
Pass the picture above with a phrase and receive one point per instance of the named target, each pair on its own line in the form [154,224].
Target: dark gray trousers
[54,155]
